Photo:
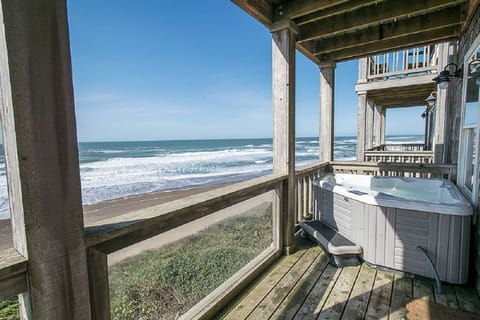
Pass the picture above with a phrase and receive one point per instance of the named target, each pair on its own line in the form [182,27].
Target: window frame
[466,145]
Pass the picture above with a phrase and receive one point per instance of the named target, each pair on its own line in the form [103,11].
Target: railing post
[38,120]
[99,287]
[283,73]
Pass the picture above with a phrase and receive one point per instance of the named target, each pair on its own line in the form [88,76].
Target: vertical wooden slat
[390,236]
[99,287]
[380,242]
[39,132]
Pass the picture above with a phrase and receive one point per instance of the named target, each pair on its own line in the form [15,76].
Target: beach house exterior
[58,265]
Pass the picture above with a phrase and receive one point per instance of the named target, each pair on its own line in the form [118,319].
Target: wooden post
[369,124]
[441,121]
[378,124]
[362,70]
[384,125]
[327,85]
[99,287]
[362,101]
[283,73]
[39,132]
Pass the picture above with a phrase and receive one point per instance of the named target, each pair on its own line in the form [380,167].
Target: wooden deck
[305,286]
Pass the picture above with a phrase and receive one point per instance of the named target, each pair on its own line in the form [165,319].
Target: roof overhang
[337,30]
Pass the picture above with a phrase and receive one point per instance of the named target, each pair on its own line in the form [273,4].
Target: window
[468,164]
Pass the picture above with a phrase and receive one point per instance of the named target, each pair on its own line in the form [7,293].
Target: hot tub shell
[390,228]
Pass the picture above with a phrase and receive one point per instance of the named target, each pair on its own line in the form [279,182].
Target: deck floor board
[305,286]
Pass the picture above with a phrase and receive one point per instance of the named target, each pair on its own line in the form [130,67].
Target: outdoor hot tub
[390,217]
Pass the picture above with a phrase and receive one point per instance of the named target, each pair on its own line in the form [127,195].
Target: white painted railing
[402,63]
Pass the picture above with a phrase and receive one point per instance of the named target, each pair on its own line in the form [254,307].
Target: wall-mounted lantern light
[431,100]
[443,79]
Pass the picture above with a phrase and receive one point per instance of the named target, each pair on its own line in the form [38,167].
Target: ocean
[113,170]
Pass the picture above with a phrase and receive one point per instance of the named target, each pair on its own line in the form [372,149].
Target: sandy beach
[95,214]
[109,209]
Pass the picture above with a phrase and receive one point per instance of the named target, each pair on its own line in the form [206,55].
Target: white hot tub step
[343,251]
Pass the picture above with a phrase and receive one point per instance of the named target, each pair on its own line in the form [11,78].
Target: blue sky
[200,69]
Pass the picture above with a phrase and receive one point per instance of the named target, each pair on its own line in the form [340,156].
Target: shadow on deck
[305,286]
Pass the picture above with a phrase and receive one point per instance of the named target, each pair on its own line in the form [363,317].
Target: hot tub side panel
[390,236]
[334,210]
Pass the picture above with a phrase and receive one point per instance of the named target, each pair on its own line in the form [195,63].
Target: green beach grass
[165,283]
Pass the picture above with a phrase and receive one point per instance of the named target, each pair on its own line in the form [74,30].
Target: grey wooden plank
[295,298]
[423,290]
[468,299]
[246,305]
[340,293]
[372,232]
[401,295]
[313,304]
[448,297]
[465,247]
[358,302]
[379,304]
[280,291]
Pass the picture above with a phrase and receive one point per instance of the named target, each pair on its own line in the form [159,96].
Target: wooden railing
[402,63]
[399,147]
[446,171]
[305,176]
[117,233]
[13,270]
[399,157]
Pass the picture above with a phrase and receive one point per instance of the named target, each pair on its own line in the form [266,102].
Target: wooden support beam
[375,14]
[39,133]
[261,10]
[327,85]
[391,30]
[283,73]
[388,45]
[338,8]
[299,8]
[384,126]
[378,124]
[362,102]
[369,124]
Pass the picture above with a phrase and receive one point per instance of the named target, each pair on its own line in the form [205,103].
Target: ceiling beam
[375,14]
[337,9]
[388,45]
[391,30]
[297,8]
[261,10]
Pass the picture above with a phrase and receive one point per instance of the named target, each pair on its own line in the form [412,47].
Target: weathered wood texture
[446,171]
[99,287]
[362,102]
[39,131]
[283,88]
[303,286]
[119,232]
[327,105]
[13,268]
[379,124]
[305,177]
[369,124]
